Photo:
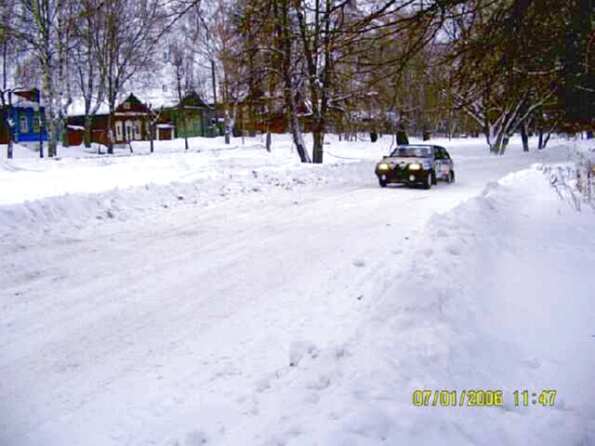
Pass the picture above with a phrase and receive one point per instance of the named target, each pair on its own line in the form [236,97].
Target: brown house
[131,121]
[267,114]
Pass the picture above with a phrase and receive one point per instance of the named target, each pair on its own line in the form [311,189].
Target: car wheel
[451,177]
[429,181]
[434,179]
[382,183]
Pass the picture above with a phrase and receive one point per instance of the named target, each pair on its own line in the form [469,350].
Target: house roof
[28,95]
[132,105]
[26,99]
[192,99]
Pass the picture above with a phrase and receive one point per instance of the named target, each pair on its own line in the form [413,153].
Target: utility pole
[41,126]
[40,136]
[152,120]
[214,81]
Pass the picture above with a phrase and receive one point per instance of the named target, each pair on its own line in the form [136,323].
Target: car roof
[427,146]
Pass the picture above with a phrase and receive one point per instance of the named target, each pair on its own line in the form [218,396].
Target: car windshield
[412,152]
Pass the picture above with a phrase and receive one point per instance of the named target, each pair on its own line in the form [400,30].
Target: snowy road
[166,327]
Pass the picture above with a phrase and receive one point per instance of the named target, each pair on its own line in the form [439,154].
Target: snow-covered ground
[230,296]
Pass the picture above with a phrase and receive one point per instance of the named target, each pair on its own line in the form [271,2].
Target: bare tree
[508,64]
[7,40]
[90,79]
[45,27]
[182,61]
[126,35]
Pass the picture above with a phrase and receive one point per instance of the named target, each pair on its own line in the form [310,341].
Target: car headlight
[414,166]
[383,166]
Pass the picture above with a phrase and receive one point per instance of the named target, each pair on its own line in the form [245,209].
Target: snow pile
[82,187]
[498,296]
[202,188]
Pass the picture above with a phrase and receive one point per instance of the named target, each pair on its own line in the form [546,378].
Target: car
[416,164]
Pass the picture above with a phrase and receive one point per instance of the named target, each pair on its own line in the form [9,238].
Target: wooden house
[268,114]
[190,117]
[131,121]
[26,117]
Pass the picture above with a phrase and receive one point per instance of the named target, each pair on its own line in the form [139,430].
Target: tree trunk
[296,134]
[4,62]
[4,108]
[152,135]
[48,87]
[524,137]
[227,126]
[268,141]
[540,141]
[283,29]
[504,145]
[546,140]
[110,125]
[62,133]
[402,137]
[318,146]
[87,135]
[494,137]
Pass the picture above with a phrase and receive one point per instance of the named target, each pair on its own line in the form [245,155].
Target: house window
[128,130]
[137,131]
[23,124]
[126,105]
[36,123]
[119,131]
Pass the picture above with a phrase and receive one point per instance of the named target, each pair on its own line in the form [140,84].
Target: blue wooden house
[26,118]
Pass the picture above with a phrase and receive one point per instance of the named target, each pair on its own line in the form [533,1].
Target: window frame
[37,123]
[118,125]
[23,119]
[137,130]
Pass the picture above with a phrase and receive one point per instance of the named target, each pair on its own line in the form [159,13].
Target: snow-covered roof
[157,92]
[24,103]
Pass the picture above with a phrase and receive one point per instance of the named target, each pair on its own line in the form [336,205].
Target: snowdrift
[498,296]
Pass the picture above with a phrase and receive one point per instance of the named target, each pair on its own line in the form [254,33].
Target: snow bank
[205,189]
[81,186]
[498,296]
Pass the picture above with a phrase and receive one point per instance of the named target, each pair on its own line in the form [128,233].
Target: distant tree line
[425,66]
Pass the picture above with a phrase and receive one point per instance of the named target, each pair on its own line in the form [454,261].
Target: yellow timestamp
[481,398]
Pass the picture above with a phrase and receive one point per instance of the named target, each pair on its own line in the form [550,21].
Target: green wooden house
[191,117]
